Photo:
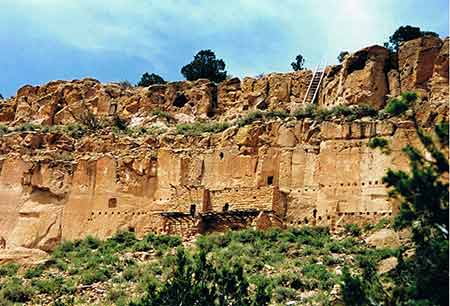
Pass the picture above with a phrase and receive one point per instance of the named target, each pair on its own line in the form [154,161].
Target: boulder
[387,265]
[384,238]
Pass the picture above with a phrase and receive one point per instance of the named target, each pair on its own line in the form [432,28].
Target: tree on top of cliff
[299,62]
[150,79]
[406,33]
[341,57]
[205,66]
[1,96]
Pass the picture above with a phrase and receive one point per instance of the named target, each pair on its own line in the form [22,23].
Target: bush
[352,289]
[352,229]
[396,107]
[14,291]
[94,275]
[75,130]
[250,118]
[34,272]
[3,129]
[27,127]
[282,294]
[198,128]
[277,114]
[308,111]
[141,131]
[162,114]
[9,269]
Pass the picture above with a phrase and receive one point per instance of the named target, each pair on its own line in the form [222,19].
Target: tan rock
[22,255]
[360,80]
[416,60]
[384,238]
[387,265]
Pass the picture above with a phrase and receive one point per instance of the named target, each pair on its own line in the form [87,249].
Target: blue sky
[114,40]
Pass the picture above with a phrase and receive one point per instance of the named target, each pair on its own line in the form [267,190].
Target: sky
[117,40]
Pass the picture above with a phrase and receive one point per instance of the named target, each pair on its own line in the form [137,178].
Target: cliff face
[56,185]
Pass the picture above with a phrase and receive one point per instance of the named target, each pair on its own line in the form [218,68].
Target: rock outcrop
[59,182]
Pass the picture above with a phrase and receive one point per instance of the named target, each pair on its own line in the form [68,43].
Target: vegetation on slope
[235,268]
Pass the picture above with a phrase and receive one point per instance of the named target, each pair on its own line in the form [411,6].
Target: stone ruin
[285,173]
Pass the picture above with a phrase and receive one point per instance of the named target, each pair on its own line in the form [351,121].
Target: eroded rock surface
[57,185]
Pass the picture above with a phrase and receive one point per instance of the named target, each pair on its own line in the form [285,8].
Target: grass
[287,262]
[198,128]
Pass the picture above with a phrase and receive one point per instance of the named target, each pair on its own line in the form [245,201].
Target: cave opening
[180,100]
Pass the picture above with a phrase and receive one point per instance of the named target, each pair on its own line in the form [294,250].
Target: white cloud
[253,36]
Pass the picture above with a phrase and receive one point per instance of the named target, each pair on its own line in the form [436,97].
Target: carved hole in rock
[270,180]
[112,203]
[368,213]
[131,229]
[221,155]
[370,182]
[192,210]
[306,220]
[376,182]
[320,218]
[180,100]
[328,217]
[314,213]
[225,207]
[363,184]
[245,107]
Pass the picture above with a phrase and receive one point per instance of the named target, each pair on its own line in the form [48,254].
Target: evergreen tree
[205,66]
[424,194]
[299,62]
[150,79]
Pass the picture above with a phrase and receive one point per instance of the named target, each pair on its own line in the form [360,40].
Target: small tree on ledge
[298,64]
[150,79]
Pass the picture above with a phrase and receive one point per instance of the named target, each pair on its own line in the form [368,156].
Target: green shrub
[16,292]
[117,296]
[352,289]
[34,272]
[141,131]
[341,111]
[250,118]
[277,114]
[309,111]
[364,110]
[352,229]
[282,294]
[51,286]
[9,269]
[75,130]
[3,129]
[91,242]
[162,114]
[29,127]
[131,273]
[317,276]
[94,275]
[198,128]
[396,107]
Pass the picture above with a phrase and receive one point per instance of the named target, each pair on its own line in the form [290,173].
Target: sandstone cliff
[60,182]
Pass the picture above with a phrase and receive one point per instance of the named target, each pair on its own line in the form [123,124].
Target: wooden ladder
[314,85]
